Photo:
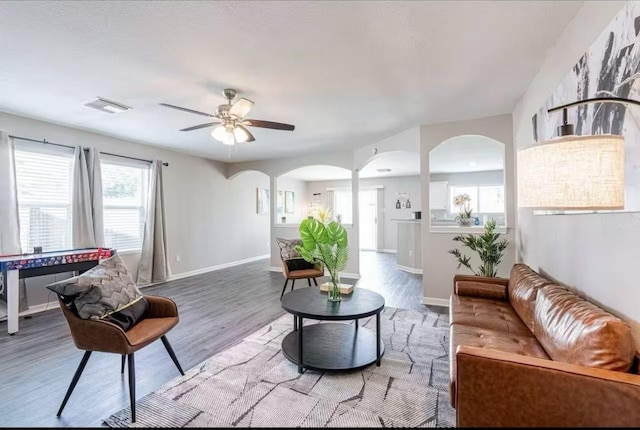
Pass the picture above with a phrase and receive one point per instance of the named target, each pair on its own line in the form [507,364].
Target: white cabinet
[438,195]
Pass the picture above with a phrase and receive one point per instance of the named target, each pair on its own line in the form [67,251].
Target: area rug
[252,384]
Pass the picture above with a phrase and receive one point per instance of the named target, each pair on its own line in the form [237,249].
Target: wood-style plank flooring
[217,309]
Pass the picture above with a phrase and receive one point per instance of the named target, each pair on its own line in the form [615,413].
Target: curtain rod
[46,142]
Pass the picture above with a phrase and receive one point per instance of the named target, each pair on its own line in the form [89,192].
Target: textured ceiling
[345,73]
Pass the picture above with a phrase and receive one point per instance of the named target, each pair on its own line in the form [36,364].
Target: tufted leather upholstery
[502,354]
[575,331]
[490,339]
[486,313]
[523,287]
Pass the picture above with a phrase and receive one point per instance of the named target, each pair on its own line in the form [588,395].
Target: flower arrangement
[463,203]
[322,214]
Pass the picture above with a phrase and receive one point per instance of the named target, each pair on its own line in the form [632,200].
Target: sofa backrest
[576,331]
[524,284]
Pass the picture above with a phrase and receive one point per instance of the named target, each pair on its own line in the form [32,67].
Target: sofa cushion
[487,314]
[100,291]
[575,331]
[288,248]
[524,284]
[490,339]
[484,290]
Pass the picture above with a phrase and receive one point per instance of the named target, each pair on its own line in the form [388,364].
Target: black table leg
[378,339]
[300,367]
[356,324]
[295,323]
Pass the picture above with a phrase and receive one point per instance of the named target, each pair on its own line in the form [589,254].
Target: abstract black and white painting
[610,68]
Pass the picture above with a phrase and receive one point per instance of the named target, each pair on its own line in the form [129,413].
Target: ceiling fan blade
[243,128]
[197,112]
[268,124]
[196,127]
[241,107]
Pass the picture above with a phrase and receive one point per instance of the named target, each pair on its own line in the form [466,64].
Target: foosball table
[16,267]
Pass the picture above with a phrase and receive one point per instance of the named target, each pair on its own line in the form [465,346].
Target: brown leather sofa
[528,352]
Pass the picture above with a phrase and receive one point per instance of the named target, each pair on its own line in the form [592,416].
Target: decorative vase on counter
[464,221]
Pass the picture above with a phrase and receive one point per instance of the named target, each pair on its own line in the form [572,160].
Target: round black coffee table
[332,347]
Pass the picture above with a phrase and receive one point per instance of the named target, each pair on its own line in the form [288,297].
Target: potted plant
[463,203]
[487,245]
[328,245]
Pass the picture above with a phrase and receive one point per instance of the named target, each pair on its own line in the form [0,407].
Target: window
[43,176]
[484,198]
[342,205]
[491,198]
[125,186]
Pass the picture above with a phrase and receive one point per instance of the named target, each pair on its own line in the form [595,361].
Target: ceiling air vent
[107,106]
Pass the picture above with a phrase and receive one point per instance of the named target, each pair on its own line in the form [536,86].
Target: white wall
[490,177]
[438,266]
[210,220]
[277,167]
[596,254]
[301,199]
[391,186]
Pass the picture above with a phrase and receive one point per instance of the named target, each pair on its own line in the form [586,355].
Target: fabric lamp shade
[573,173]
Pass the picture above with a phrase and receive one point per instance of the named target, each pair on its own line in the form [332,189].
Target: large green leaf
[312,232]
[337,234]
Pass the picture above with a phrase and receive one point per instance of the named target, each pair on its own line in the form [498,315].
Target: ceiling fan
[230,120]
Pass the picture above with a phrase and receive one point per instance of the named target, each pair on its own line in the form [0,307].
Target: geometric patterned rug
[251,384]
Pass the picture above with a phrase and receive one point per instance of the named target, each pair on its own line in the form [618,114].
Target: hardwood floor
[217,309]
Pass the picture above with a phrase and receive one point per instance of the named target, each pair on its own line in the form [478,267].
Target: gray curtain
[87,230]
[9,218]
[153,259]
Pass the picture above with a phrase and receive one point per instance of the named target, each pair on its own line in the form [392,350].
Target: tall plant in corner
[328,245]
[487,245]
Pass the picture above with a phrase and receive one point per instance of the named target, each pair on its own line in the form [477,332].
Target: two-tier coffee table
[332,347]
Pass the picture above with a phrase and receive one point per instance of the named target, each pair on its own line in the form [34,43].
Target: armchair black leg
[172,354]
[124,359]
[132,386]
[309,281]
[284,288]
[315,282]
[74,381]
[293,282]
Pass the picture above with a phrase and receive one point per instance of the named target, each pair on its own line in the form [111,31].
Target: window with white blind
[484,198]
[43,177]
[125,185]
[341,206]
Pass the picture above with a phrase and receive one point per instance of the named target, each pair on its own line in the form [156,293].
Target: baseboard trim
[410,270]
[435,302]
[346,275]
[36,309]
[217,267]
[389,251]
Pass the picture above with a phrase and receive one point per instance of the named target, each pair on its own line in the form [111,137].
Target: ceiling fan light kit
[230,121]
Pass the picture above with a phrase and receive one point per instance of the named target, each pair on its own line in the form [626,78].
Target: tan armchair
[103,336]
[308,274]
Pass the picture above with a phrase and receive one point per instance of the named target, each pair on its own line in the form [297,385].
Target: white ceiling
[467,154]
[401,163]
[345,73]
[318,173]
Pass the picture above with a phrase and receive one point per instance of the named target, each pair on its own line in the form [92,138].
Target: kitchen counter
[405,220]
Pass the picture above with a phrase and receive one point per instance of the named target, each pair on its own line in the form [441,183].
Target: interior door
[369,219]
